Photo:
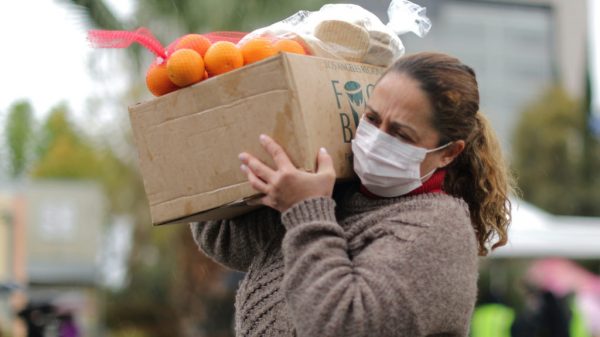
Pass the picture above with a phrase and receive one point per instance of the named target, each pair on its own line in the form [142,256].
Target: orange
[257,49]
[289,46]
[221,57]
[157,79]
[196,42]
[185,67]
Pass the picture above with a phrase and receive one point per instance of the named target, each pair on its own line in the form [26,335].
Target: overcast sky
[45,56]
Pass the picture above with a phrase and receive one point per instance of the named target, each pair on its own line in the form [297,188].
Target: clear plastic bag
[350,32]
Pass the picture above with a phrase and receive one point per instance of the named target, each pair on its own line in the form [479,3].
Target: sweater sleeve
[235,242]
[330,293]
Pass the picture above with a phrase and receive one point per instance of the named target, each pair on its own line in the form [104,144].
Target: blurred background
[79,256]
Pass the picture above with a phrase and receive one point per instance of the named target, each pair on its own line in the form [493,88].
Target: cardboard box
[188,141]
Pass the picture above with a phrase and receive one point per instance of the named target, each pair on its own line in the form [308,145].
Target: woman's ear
[452,152]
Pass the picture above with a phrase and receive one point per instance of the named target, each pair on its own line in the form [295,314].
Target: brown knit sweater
[403,266]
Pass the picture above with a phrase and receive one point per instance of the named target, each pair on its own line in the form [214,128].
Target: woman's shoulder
[432,214]
[431,207]
[433,218]
[350,201]
[423,209]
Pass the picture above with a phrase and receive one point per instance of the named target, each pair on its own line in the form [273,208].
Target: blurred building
[518,48]
[50,247]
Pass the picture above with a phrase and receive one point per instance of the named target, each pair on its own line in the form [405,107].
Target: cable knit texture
[402,266]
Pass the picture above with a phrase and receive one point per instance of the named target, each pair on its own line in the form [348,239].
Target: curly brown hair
[478,174]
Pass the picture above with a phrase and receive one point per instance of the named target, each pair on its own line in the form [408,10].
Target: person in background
[66,325]
[493,316]
[38,317]
[544,315]
[393,254]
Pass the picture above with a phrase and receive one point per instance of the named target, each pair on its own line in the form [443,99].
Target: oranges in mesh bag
[194,57]
[289,46]
[260,48]
[257,49]
[157,79]
[196,42]
[221,57]
[185,67]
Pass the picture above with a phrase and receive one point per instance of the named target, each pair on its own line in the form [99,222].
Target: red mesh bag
[160,77]
[143,36]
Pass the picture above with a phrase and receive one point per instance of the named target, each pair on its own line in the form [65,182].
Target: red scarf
[432,185]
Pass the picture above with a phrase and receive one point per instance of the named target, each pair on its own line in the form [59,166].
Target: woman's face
[400,108]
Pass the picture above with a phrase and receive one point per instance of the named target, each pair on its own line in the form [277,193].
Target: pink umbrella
[562,276]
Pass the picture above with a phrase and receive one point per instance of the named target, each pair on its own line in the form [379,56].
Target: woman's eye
[404,138]
[371,119]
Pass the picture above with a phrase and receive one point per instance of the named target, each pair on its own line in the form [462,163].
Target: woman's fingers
[285,185]
[325,163]
[276,151]
[257,167]
[256,183]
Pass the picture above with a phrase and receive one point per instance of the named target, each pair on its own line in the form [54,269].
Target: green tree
[19,131]
[55,125]
[550,156]
[63,153]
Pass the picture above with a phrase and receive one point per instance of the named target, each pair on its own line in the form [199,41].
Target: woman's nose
[384,126]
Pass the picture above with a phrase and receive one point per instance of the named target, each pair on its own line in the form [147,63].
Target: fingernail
[244,168]
[323,150]
[263,138]
[242,156]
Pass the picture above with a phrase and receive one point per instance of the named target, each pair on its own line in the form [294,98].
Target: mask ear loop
[440,147]
[430,173]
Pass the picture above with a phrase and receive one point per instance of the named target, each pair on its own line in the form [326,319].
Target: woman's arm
[393,287]
[329,294]
[235,242]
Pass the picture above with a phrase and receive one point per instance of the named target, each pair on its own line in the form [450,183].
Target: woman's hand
[287,185]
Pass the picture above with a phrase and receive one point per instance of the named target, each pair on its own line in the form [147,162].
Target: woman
[393,256]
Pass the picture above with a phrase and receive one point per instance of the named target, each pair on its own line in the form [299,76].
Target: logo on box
[356,95]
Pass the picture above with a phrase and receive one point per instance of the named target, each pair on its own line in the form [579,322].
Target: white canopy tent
[536,233]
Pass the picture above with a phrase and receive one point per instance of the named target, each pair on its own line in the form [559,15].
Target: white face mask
[385,165]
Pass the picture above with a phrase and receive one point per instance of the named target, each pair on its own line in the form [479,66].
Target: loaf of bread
[353,41]
[348,40]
